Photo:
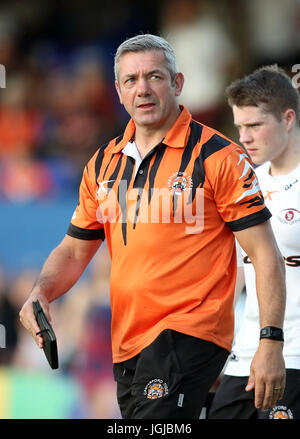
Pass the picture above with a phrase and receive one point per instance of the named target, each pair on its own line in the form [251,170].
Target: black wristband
[272,333]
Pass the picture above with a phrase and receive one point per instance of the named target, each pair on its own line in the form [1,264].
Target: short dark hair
[269,86]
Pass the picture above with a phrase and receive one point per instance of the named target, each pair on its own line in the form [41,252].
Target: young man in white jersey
[265,108]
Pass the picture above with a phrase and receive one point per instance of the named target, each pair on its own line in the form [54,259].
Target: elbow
[280,262]
[282,265]
[278,265]
[271,263]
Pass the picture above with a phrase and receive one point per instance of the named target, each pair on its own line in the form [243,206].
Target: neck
[147,137]
[145,141]
[289,159]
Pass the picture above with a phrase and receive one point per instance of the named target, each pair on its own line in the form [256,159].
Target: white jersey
[282,197]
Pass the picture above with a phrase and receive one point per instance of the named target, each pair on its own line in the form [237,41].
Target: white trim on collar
[131,150]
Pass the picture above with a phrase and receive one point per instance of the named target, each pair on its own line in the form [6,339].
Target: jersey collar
[176,137]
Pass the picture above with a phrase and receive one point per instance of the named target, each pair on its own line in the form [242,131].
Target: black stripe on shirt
[114,175]
[122,197]
[250,220]
[193,140]
[154,168]
[214,144]
[99,160]
[85,234]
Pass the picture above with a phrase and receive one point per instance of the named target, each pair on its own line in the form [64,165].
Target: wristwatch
[272,333]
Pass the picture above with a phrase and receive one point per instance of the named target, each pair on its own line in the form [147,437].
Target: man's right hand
[28,319]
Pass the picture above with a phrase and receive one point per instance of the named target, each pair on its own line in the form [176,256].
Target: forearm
[271,292]
[267,369]
[240,284]
[62,269]
[60,272]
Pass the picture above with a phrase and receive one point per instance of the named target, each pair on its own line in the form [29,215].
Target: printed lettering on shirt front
[288,186]
[290,261]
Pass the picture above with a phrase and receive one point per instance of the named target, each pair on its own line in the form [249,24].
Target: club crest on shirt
[289,216]
[179,182]
[155,389]
[280,412]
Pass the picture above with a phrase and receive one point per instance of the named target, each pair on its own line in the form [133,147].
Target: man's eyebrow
[151,72]
[248,124]
[128,75]
[155,71]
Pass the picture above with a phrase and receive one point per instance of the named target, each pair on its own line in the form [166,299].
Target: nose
[245,135]
[143,88]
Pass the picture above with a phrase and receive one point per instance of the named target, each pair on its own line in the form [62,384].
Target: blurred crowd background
[57,107]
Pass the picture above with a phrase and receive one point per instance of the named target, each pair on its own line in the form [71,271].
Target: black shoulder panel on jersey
[85,234]
[214,144]
[250,220]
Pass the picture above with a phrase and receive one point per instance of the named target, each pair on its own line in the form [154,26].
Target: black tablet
[50,345]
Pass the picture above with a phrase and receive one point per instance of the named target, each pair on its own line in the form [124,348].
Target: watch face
[272,333]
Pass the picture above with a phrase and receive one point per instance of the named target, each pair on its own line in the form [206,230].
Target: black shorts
[231,401]
[170,378]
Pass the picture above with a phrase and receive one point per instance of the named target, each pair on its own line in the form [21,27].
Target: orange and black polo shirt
[168,227]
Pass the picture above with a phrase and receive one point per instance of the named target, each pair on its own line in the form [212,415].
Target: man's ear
[179,81]
[289,117]
[118,91]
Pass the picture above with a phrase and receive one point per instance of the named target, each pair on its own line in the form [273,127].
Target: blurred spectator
[8,36]
[79,109]
[19,124]
[26,355]
[23,179]
[8,318]
[272,27]
[205,54]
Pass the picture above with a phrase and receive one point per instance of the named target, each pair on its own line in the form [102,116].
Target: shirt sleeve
[84,223]
[238,196]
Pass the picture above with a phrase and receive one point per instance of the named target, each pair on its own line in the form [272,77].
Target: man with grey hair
[169,195]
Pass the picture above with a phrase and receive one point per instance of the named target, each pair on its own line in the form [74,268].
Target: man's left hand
[267,374]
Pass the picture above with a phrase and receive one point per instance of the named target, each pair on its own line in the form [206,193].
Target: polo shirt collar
[176,137]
